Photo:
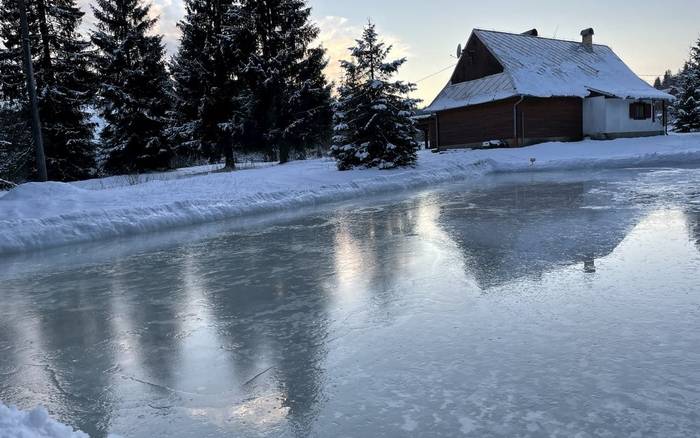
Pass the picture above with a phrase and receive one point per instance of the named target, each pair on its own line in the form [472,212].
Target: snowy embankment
[34,424]
[42,215]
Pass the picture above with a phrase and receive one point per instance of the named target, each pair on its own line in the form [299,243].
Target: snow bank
[36,191]
[35,216]
[33,424]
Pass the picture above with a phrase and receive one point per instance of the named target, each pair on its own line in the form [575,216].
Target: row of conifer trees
[247,76]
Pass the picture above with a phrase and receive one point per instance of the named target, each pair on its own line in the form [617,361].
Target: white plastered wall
[605,116]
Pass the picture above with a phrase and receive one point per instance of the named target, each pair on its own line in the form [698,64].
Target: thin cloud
[338,34]
[168,12]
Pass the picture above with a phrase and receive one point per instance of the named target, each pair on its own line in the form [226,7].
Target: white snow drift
[42,215]
[33,424]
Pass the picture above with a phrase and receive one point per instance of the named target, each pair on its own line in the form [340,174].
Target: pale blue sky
[650,36]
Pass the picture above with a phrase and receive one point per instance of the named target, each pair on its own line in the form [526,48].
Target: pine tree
[686,110]
[205,72]
[134,93]
[657,83]
[373,125]
[286,100]
[667,81]
[64,82]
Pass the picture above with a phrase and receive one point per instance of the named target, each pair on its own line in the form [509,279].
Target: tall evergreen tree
[63,77]
[134,92]
[686,110]
[205,80]
[373,125]
[286,100]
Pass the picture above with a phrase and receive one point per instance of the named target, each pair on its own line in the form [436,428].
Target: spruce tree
[65,84]
[16,151]
[205,72]
[373,125]
[286,99]
[134,88]
[686,110]
[346,153]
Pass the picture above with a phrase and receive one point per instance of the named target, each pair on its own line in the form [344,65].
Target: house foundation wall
[612,136]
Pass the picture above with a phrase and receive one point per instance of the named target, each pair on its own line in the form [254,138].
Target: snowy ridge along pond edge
[38,216]
[43,233]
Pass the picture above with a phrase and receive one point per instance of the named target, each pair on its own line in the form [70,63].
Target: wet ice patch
[467,425]
[409,424]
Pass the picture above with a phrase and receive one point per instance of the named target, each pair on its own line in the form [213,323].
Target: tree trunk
[284,153]
[229,161]
[31,90]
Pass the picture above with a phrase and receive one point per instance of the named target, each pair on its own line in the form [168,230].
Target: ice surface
[34,216]
[521,304]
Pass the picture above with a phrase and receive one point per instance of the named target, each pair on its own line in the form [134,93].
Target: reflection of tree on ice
[589,265]
[693,220]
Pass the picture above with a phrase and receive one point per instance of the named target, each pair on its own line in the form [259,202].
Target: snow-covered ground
[185,172]
[42,215]
[33,424]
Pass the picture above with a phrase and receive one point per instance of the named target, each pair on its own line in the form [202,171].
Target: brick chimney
[587,35]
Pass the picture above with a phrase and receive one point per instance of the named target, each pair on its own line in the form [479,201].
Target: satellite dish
[459,50]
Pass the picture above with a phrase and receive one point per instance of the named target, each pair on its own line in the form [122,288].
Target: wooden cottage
[521,89]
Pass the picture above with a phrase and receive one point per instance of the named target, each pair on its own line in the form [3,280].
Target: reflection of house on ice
[527,230]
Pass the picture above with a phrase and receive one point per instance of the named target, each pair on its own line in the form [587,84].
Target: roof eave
[470,104]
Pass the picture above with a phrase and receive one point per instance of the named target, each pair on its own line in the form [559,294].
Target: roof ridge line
[530,36]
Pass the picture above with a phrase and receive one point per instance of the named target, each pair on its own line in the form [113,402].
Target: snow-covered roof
[487,89]
[545,67]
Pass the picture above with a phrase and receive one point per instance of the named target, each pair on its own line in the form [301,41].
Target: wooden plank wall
[558,118]
[476,124]
[555,117]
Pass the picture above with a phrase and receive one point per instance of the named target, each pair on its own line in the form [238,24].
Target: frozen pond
[521,305]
